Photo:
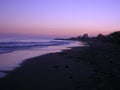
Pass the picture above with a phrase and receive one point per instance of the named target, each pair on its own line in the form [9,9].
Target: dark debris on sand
[106,59]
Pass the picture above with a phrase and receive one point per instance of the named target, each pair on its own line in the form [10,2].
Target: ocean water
[11,46]
[15,51]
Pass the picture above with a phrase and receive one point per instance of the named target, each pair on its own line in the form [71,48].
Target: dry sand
[93,67]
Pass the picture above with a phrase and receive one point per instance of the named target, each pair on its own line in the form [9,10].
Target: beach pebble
[66,66]
[62,53]
[56,66]
[71,77]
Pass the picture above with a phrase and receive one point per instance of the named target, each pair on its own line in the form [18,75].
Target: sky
[59,17]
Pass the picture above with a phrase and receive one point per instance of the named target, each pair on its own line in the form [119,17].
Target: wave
[6,47]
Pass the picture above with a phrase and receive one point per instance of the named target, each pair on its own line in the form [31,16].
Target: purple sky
[59,17]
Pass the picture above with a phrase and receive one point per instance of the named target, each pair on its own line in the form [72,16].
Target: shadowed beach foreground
[92,67]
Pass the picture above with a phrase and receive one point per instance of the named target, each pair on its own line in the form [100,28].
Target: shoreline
[93,67]
[10,61]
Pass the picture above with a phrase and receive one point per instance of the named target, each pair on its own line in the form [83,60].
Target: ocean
[14,51]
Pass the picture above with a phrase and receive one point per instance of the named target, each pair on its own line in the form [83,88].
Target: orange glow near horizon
[54,31]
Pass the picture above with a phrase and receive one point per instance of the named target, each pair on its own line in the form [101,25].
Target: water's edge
[12,60]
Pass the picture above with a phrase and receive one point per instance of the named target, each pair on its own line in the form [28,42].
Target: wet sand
[93,67]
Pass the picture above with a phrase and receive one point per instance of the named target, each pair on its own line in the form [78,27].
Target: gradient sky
[59,17]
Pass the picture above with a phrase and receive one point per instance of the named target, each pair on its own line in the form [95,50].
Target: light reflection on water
[10,61]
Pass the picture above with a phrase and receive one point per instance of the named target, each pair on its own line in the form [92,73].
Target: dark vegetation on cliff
[113,37]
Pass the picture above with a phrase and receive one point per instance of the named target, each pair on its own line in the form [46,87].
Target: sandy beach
[92,67]
[60,45]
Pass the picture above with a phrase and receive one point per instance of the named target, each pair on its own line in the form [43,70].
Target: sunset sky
[59,17]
